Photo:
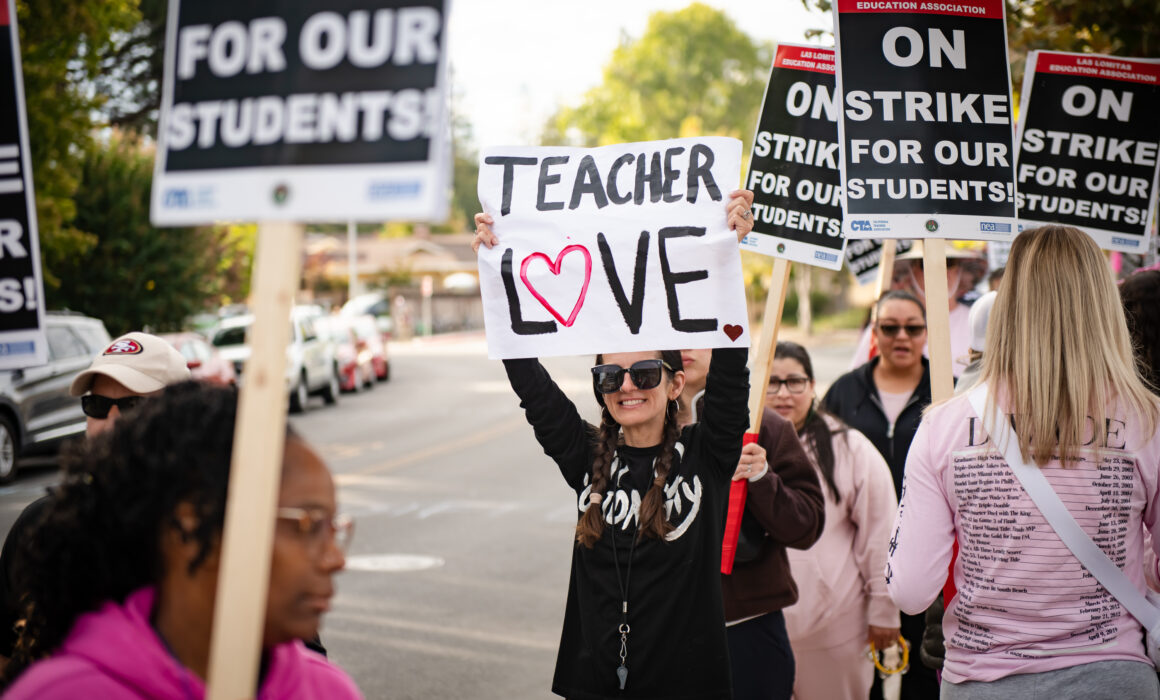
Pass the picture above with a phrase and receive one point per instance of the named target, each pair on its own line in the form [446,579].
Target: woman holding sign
[884,400]
[1029,620]
[644,615]
[843,603]
[784,509]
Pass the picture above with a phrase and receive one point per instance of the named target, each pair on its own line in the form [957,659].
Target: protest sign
[22,339]
[794,170]
[611,249]
[303,111]
[863,256]
[926,128]
[1087,147]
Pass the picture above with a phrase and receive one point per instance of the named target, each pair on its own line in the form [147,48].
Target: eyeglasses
[97,406]
[313,524]
[891,330]
[645,374]
[795,385]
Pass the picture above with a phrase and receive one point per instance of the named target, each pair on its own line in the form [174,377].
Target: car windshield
[230,336]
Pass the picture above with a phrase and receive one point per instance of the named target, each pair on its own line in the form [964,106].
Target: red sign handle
[738,490]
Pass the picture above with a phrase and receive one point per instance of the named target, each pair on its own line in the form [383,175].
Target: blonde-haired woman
[1028,620]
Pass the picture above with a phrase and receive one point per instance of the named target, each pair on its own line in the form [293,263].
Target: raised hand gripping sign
[611,249]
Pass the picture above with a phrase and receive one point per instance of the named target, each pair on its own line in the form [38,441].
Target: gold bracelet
[903,665]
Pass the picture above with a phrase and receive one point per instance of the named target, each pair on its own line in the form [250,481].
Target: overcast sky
[514,61]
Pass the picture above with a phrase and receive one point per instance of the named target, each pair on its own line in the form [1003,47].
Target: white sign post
[283,113]
[611,249]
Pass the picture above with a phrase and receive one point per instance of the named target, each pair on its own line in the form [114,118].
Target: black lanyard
[623,629]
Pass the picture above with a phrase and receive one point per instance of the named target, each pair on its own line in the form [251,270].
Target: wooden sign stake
[259,437]
[770,325]
[886,268]
[758,381]
[938,323]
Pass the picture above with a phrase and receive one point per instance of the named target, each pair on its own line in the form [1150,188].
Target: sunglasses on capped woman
[890,330]
[645,374]
[97,406]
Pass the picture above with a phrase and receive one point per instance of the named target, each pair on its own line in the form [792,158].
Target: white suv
[310,365]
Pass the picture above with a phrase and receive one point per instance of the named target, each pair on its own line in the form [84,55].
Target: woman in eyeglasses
[884,400]
[843,601]
[644,615]
[122,566]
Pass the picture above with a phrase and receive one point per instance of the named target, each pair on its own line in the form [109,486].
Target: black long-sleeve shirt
[677,645]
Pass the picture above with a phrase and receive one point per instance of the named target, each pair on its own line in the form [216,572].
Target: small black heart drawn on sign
[734,332]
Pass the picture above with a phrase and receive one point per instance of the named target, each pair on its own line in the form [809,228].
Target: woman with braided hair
[644,616]
[121,566]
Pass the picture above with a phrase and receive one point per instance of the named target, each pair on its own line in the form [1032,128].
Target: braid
[590,528]
[654,521]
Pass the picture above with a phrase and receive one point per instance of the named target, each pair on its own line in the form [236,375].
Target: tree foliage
[60,44]
[692,72]
[137,276]
[1128,28]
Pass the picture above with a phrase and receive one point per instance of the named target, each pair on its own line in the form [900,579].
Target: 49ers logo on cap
[124,347]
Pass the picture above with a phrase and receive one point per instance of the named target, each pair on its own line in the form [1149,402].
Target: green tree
[464,176]
[1129,28]
[135,275]
[61,42]
[693,72]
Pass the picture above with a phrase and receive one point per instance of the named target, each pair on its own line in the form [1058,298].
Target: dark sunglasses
[645,374]
[890,330]
[97,406]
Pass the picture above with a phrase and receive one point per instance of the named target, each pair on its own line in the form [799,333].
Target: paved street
[459,567]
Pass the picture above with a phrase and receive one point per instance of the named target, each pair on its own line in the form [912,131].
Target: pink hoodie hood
[115,653]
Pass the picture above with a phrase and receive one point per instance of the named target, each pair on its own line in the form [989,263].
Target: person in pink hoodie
[122,566]
[1028,620]
[843,604]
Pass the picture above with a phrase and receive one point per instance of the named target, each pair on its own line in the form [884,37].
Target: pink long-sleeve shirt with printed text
[1024,603]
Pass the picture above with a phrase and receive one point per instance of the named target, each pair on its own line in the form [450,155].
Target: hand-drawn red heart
[734,332]
[555,268]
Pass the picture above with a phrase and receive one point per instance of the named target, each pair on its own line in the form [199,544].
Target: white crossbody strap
[1087,552]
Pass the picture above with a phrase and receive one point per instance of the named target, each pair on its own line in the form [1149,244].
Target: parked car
[36,411]
[376,304]
[355,367]
[311,369]
[204,361]
[376,342]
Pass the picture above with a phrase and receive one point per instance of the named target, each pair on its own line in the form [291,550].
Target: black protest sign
[22,341]
[1088,142]
[795,164]
[315,110]
[863,256]
[926,128]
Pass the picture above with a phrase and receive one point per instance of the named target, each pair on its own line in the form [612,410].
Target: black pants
[762,659]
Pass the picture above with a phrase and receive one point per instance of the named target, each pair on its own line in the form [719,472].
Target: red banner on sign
[804,58]
[990,9]
[3,13]
[1110,67]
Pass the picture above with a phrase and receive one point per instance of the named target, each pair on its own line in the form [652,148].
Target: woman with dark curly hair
[122,566]
[1141,296]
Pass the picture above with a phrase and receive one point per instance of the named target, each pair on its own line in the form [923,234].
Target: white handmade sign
[611,249]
